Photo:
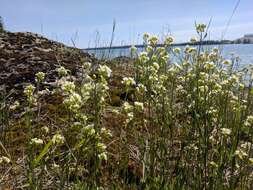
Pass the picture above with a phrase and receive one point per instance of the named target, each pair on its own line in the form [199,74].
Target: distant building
[246,39]
[248,35]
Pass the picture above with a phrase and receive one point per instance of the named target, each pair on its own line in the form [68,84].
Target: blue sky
[81,20]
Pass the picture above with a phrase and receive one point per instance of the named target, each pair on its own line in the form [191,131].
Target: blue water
[244,51]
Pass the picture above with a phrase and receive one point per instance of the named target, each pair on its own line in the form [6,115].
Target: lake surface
[244,51]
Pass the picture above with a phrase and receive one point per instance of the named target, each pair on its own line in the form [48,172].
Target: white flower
[101,147]
[145,36]
[15,105]
[40,76]
[173,70]
[43,92]
[241,154]
[102,156]
[139,105]
[156,66]
[106,132]
[128,81]
[115,111]
[203,88]
[226,62]
[62,71]
[89,130]
[4,159]
[177,50]
[213,56]
[192,50]
[143,56]
[213,164]
[86,89]
[165,58]
[193,39]
[216,50]
[234,79]
[36,141]
[86,65]
[29,90]
[251,161]
[58,139]
[161,51]
[141,88]
[226,131]
[45,129]
[169,40]
[246,145]
[241,86]
[68,87]
[130,117]
[74,101]
[200,27]
[104,71]
[217,87]
[153,78]
[55,166]
[212,139]
[149,49]
[127,107]
[249,121]
[102,86]
[133,49]
[153,40]
[209,65]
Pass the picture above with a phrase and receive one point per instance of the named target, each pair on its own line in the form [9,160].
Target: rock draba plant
[184,123]
[71,157]
[195,118]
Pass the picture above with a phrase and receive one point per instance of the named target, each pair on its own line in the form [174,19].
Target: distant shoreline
[225,42]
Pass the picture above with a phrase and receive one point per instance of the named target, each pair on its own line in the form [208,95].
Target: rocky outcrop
[22,55]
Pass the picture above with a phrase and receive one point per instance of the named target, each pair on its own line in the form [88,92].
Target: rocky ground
[22,55]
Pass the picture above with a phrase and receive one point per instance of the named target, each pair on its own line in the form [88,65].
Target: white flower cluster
[226,131]
[29,93]
[200,28]
[40,76]
[128,81]
[58,139]
[139,106]
[36,141]
[62,71]
[73,102]
[104,71]
[169,40]
[4,159]
[67,86]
